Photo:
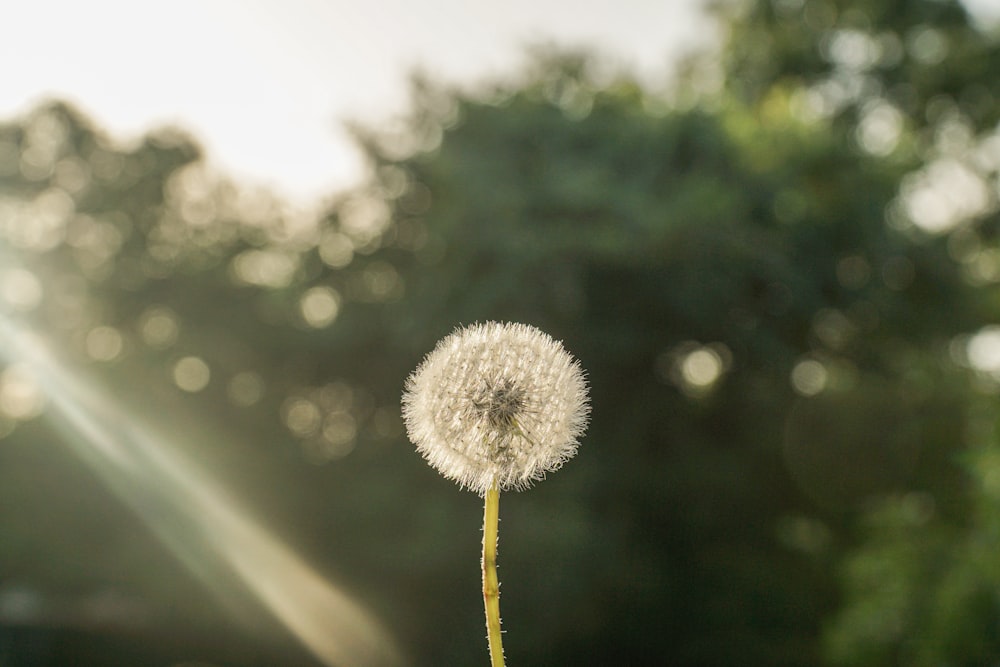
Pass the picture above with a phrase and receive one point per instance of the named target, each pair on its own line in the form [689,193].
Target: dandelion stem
[491,586]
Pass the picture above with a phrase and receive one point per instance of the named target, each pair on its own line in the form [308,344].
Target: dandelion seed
[496,403]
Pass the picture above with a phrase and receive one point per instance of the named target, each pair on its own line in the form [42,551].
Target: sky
[267,85]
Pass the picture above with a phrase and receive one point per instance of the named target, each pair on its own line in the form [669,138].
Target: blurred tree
[913,82]
[768,276]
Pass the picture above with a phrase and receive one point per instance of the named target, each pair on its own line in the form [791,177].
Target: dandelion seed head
[495,401]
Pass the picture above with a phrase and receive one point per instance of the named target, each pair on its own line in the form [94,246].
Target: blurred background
[775,250]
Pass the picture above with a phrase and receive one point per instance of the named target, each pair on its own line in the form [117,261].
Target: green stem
[491,586]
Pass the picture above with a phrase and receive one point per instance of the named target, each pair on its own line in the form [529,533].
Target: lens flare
[194,517]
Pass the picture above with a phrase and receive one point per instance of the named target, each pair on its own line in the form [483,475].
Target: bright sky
[265,85]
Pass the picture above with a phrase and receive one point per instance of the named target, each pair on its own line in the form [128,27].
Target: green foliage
[922,56]
[922,588]
[776,351]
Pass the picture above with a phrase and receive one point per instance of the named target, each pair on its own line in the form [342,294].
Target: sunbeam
[192,515]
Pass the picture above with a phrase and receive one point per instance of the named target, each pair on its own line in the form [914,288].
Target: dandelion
[496,407]
[496,403]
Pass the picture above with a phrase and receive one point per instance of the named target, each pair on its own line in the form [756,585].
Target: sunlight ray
[194,517]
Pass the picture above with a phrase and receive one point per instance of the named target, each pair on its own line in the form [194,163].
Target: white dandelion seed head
[495,401]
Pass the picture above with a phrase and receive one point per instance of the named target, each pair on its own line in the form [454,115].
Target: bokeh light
[881,129]
[694,368]
[809,377]
[245,389]
[191,374]
[159,327]
[104,343]
[302,416]
[265,268]
[20,289]
[944,194]
[701,368]
[21,397]
[320,306]
[336,249]
[339,429]
[983,351]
